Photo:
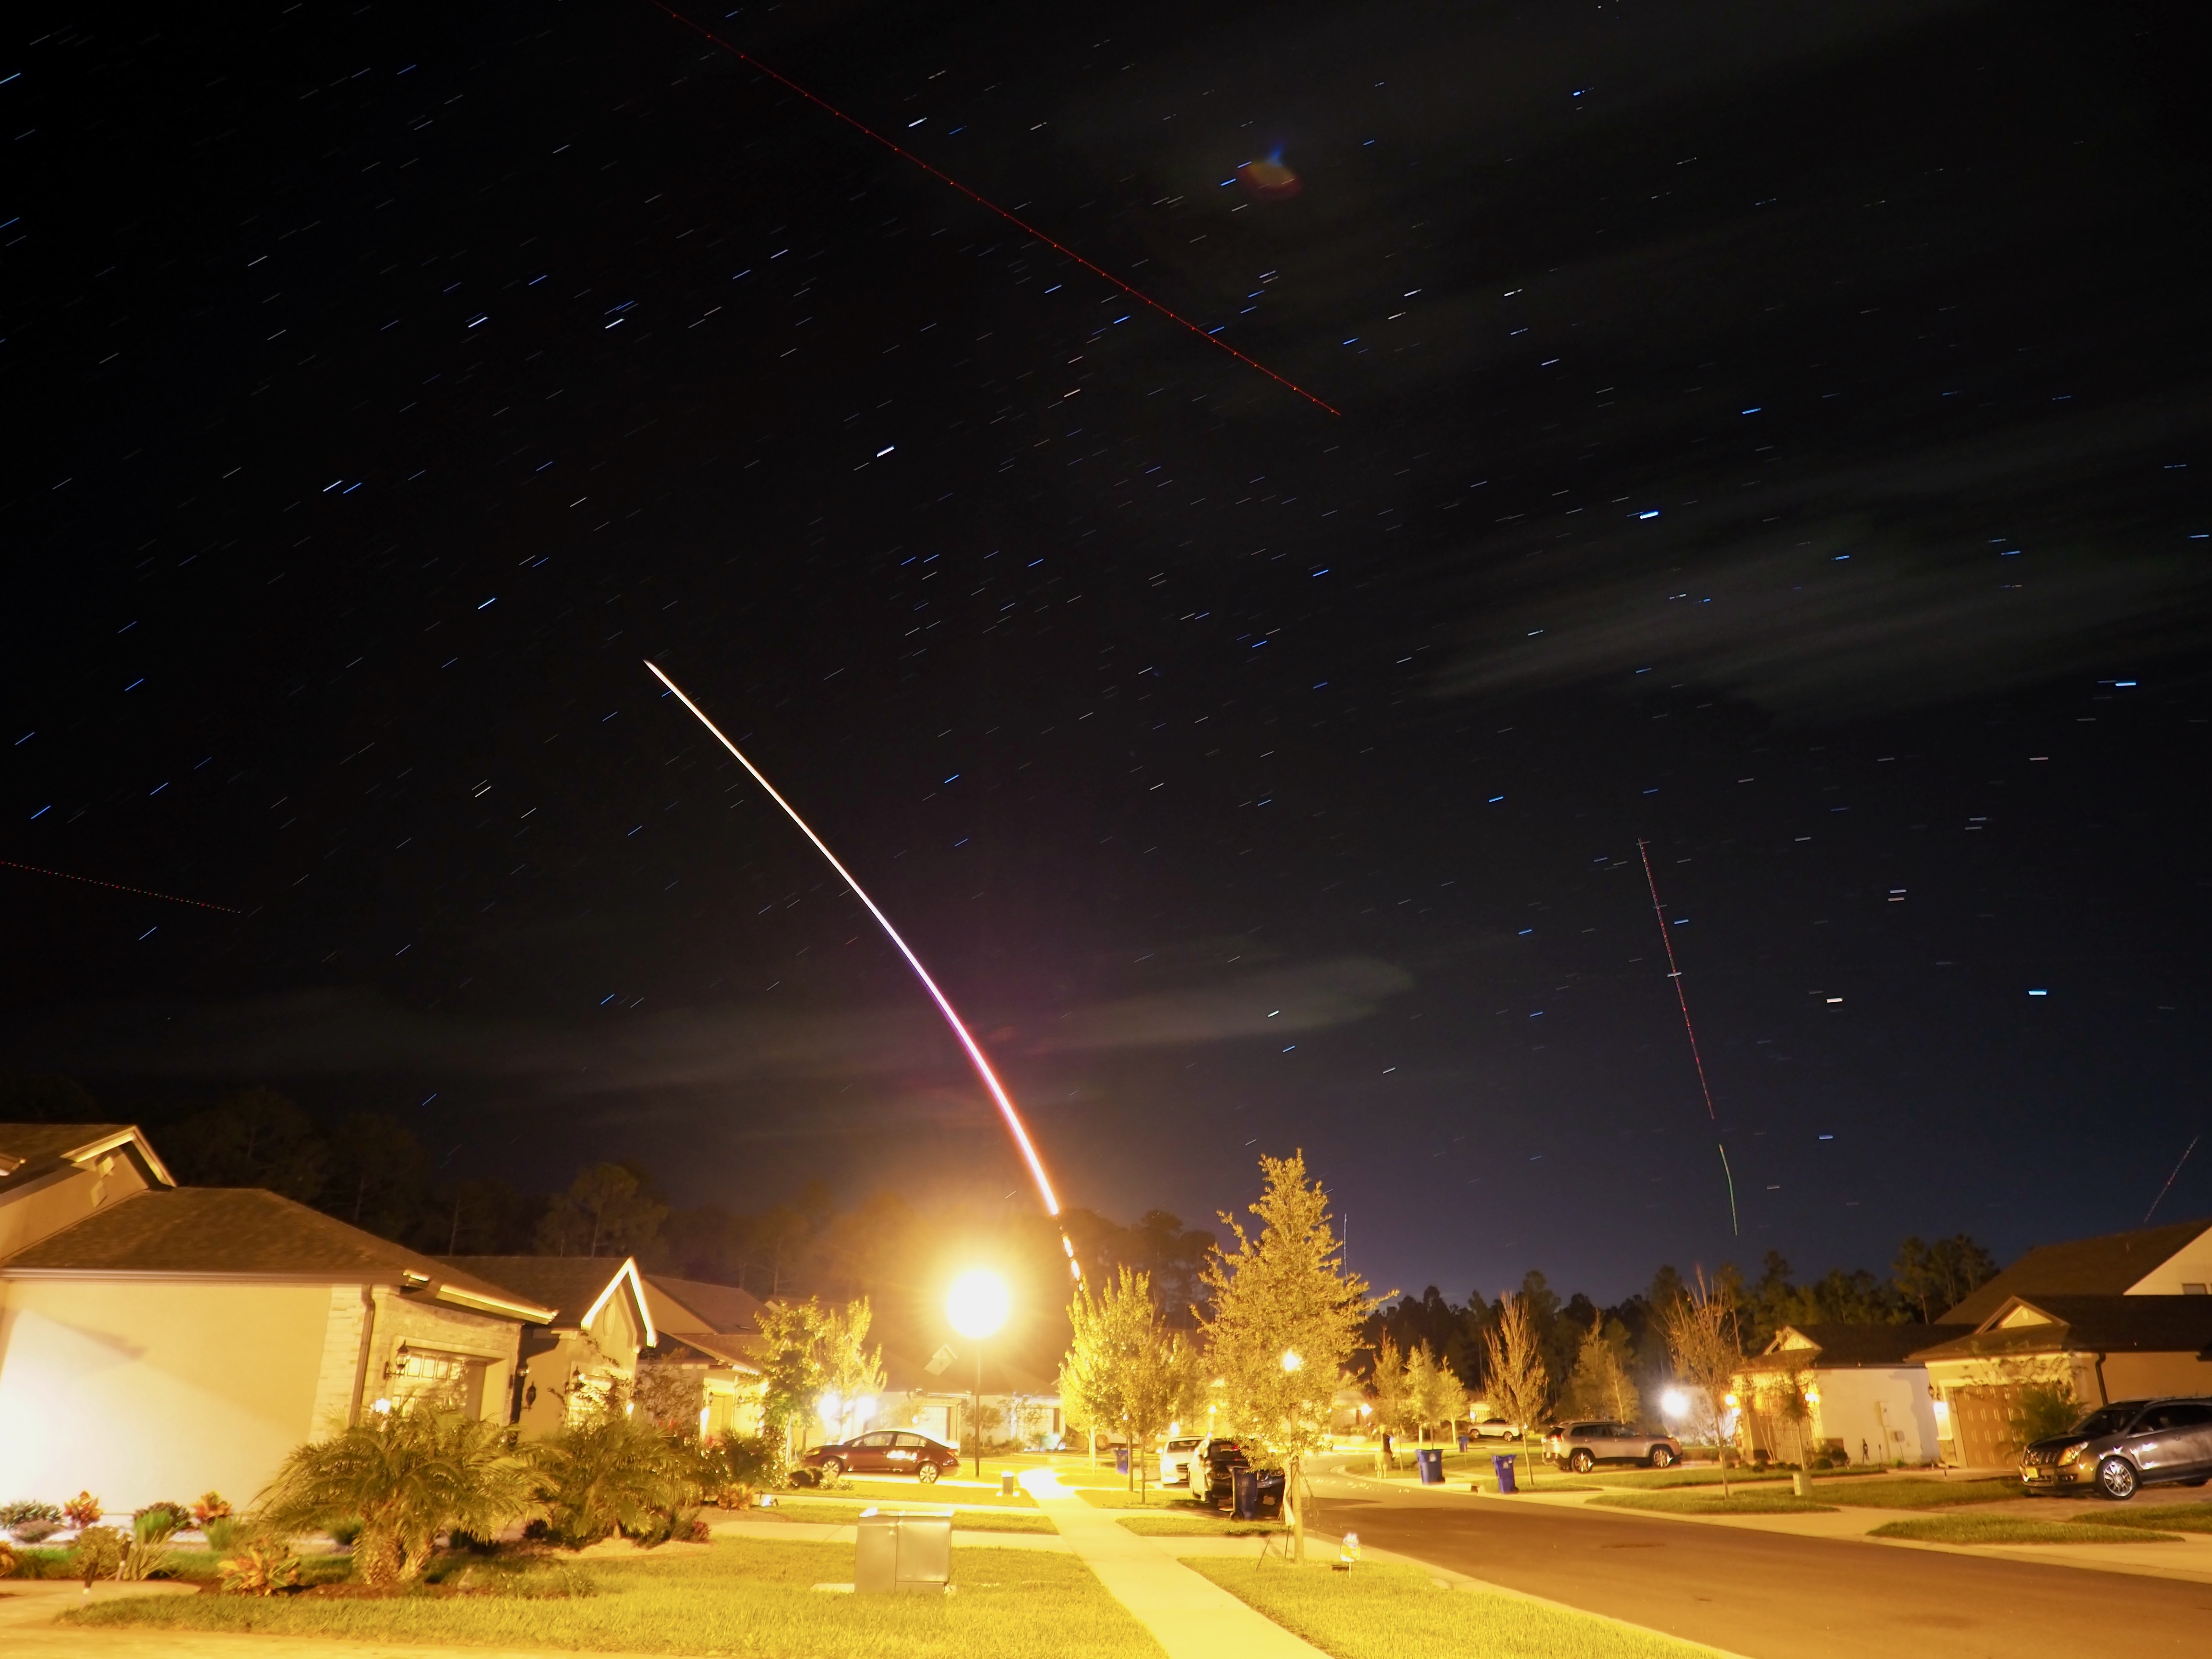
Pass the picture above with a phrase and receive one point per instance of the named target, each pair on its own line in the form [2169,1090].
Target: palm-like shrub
[406,1477]
[614,1474]
[262,1570]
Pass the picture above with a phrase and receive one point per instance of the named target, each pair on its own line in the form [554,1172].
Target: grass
[1158,1497]
[185,1564]
[2015,1529]
[1756,1501]
[1666,1479]
[1194,1525]
[745,1596]
[912,1492]
[2170,1517]
[845,1513]
[1380,1610]
[1915,1494]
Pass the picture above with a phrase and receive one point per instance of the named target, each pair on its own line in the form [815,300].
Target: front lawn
[1170,1498]
[2170,1517]
[1915,1494]
[745,1596]
[912,1492]
[846,1512]
[1757,1501]
[1382,1610]
[1681,1475]
[1193,1524]
[2014,1529]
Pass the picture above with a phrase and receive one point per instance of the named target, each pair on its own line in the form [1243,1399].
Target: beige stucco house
[710,1339]
[158,1341]
[1854,1391]
[582,1354]
[2124,1316]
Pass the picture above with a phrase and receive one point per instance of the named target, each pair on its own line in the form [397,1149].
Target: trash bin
[907,1550]
[1463,1445]
[1120,1460]
[1430,1461]
[1247,1507]
[1504,1466]
[1005,1483]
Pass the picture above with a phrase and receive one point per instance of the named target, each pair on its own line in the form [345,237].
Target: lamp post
[977,1307]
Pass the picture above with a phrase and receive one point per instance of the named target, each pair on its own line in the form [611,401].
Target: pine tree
[1286,1318]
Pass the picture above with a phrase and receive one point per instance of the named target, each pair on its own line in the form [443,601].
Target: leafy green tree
[606,1211]
[811,1348]
[1089,1400]
[1518,1382]
[1600,1385]
[1389,1394]
[1937,1277]
[1432,1392]
[2043,1409]
[381,1178]
[1139,1374]
[1285,1318]
[404,1477]
[256,1137]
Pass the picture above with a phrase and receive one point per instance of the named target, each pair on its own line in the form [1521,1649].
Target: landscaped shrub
[262,1570]
[406,1477]
[212,1506]
[613,1474]
[146,1552]
[97,1553]
[30,1532]
[81,1510]
[224,1532]
[732,1471]
[23,1509]
[10,1563]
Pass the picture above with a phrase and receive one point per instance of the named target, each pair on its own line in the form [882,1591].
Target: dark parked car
[884,1451]
[2125,1445]
[1219,1460]
[1582,1446]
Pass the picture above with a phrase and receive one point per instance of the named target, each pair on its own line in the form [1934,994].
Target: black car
[1220,1459]
[2131,1443]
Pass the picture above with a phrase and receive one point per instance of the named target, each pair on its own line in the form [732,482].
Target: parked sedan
[884,1451]
[1176,1459]
[1581,1446]
[2131,1443]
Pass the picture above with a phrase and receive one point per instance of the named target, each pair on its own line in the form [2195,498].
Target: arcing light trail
[945,178]
[975,1058]
[1667,938]
[117,887]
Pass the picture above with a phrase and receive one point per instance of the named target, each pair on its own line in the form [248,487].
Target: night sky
[386,383]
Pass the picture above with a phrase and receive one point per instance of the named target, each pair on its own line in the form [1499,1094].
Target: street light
[977,1307]
[1290,1360]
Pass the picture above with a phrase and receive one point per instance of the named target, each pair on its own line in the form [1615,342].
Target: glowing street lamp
[977,1308]
[1290,1360]
[1674,1403]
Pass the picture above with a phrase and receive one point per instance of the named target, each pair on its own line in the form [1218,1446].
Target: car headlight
[2068,1454]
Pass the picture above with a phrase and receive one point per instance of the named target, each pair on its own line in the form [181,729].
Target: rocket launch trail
[1674,973]
[975,1055]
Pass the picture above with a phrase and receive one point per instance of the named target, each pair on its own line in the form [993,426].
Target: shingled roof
[26,1149]
[572,1285]
[727,1309]
[1830,1345]
[244,1232]
[2105,1266]
[2101,1324]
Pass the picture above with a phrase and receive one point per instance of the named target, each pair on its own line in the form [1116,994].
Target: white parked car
[1491,1428]
[1175,1459]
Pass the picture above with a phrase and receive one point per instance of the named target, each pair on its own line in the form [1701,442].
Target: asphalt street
[1769,1595]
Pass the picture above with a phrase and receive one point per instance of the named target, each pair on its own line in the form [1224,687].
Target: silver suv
[1582,1446]
[2125,1445]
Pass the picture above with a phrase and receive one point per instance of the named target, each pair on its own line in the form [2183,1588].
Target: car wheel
[2116,1479]
[1582,1462]
[1662,1457]
[927,1475]
[832,1470]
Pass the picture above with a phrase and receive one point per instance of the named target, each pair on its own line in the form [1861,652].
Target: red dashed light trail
[945,178]
[117,887]
[1674,973]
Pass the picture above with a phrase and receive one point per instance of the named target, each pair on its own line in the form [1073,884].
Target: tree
[383,1174]
[1432,1392]
[1519,1384]
[614,1473]
[1285,1318]
[1136,1371]
[45,1097]
[480,1215]
[1087,1386]
[1389,1397]
[606,1212]
[256,1137]
[809,1350]
[1935,1278]
[405,1476]
[1702,1334]
[1600,1385]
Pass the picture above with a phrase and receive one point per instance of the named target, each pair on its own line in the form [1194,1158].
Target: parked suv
[885,1451]
[2125,1445]
[1213,1466]
[1581,1446]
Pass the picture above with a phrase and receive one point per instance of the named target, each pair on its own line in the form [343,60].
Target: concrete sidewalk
[826,1532]
[1189,1616]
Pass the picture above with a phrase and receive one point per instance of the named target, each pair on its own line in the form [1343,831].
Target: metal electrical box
[904,1550]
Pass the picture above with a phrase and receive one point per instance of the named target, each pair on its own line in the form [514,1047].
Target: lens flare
[1005,1101]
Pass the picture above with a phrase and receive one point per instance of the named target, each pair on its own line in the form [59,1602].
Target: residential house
[158,1341]
[584,1354]
[940,1397]
[2118,1317]
[1852,1392]
[708,1351]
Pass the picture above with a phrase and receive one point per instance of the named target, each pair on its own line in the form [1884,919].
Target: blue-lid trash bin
[1120,1460]
[1463,1445]
[1504,1465]
[1246,1483]
[1429,1460]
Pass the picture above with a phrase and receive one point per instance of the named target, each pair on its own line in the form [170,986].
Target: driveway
[1772,1595]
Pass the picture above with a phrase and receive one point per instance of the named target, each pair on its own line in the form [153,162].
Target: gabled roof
[575,1286]
[244,1232]
[1829,1347]
[28,1149]
[2084,1266]
[2084,1324]
[693,1346]
[684,1305]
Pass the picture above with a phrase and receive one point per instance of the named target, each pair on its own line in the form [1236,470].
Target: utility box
[907,1550]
